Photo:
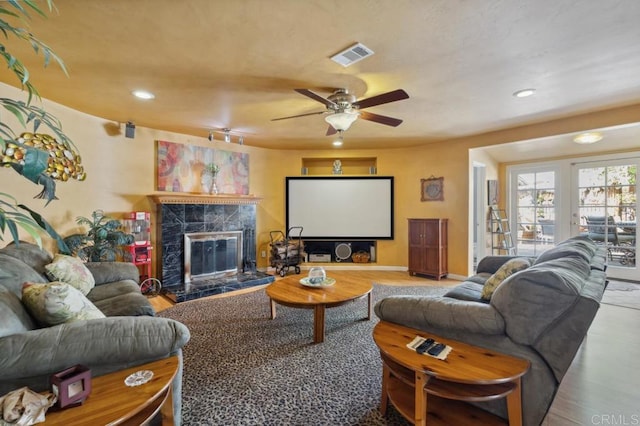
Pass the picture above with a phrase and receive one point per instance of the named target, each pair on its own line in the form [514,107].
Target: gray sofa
[130,335]
[541,314]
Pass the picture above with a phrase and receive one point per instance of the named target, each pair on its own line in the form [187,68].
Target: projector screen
[341,207]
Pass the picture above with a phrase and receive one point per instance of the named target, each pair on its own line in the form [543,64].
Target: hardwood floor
[602,386]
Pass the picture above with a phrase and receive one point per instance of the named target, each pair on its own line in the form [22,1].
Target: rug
[622,293]
[242,368]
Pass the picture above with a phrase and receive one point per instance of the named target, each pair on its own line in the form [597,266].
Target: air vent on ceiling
[353,54]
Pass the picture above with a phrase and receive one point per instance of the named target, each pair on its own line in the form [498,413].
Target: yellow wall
[121,175]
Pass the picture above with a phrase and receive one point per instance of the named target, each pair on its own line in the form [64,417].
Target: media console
[326,251]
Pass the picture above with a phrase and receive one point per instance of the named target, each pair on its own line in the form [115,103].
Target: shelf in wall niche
[188,198]
[350,165]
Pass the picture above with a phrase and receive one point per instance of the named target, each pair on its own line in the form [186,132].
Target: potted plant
[20,152]
[103,242]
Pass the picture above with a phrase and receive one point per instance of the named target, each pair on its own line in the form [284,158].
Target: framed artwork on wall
[432,189]
[180,168]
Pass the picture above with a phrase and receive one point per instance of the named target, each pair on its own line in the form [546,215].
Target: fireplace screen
[212,254]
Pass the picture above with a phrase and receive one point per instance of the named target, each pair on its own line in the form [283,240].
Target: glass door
[534,210]
[605,210]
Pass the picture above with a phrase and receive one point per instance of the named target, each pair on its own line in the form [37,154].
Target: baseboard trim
[358,267]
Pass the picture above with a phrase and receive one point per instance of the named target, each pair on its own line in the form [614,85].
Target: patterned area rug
[242,368]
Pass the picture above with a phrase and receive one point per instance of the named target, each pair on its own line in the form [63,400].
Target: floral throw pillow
[509,268]
[72,271]
[57,302]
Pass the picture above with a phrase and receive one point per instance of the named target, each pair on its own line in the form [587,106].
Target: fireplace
[212,254]
[205,224]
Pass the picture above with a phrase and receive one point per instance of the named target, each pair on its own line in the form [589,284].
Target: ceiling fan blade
[382,119]
[315,97]
[331,131]
[385,98]
[299,115]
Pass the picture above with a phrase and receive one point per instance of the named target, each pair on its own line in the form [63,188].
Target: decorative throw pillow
[72,271]
[56,303]
[509,268]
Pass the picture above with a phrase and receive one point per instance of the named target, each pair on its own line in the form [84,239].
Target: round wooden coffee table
[289,292]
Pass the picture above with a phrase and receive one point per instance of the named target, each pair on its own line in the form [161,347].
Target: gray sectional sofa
[541,313]
[130,334]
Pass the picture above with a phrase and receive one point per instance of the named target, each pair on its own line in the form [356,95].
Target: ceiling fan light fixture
[341,121]
[337,142]
[588,137]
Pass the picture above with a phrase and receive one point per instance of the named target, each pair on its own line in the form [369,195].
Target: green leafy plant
[103,242]
[212,169]
[17,152]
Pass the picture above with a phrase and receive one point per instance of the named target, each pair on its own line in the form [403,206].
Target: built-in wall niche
[329,251]
[349,166]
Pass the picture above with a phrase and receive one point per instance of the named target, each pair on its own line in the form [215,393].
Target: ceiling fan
[343,108]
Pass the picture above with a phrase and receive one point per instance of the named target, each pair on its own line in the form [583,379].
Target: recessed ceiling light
[588,137]
[524,93]
[337,142]
[142,94]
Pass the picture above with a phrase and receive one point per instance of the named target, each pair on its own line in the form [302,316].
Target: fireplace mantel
[188,198]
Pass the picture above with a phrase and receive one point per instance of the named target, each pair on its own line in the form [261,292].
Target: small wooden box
[72,386]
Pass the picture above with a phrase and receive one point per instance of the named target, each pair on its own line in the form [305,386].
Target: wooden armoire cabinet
[428,247]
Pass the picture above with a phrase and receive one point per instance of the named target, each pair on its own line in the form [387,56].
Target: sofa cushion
[129,304]
[573,247]
[533,300]
[466,291]
[70,270]
[505,271]
[14,272]
[30,254]
[14,318]
[117,288]
[479,278]
[57,302]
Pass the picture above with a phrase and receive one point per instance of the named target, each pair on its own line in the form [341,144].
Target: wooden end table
[469,373]
[111,402]
[289,292]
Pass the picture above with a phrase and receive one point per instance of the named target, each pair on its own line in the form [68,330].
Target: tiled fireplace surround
[180,215]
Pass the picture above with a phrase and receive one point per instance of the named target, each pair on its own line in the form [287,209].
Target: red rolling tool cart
[139,224]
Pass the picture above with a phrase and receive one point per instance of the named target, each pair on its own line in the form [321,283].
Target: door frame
[480,210]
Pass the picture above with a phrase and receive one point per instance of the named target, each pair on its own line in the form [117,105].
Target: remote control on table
[425,345]
[436,349]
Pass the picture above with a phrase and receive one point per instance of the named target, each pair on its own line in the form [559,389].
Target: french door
[605,207]
[534,209]
[595,197]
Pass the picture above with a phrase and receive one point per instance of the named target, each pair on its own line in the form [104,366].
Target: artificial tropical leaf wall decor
[42,159]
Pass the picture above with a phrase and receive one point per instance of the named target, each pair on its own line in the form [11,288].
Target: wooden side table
[111,402]
[422,387]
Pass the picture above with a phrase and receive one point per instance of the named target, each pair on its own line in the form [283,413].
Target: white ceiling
[234,64]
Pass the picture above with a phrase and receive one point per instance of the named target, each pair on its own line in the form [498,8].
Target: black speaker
[130,130]
[343,252]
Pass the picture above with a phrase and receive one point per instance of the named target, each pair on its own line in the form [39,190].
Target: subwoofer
[343,251]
